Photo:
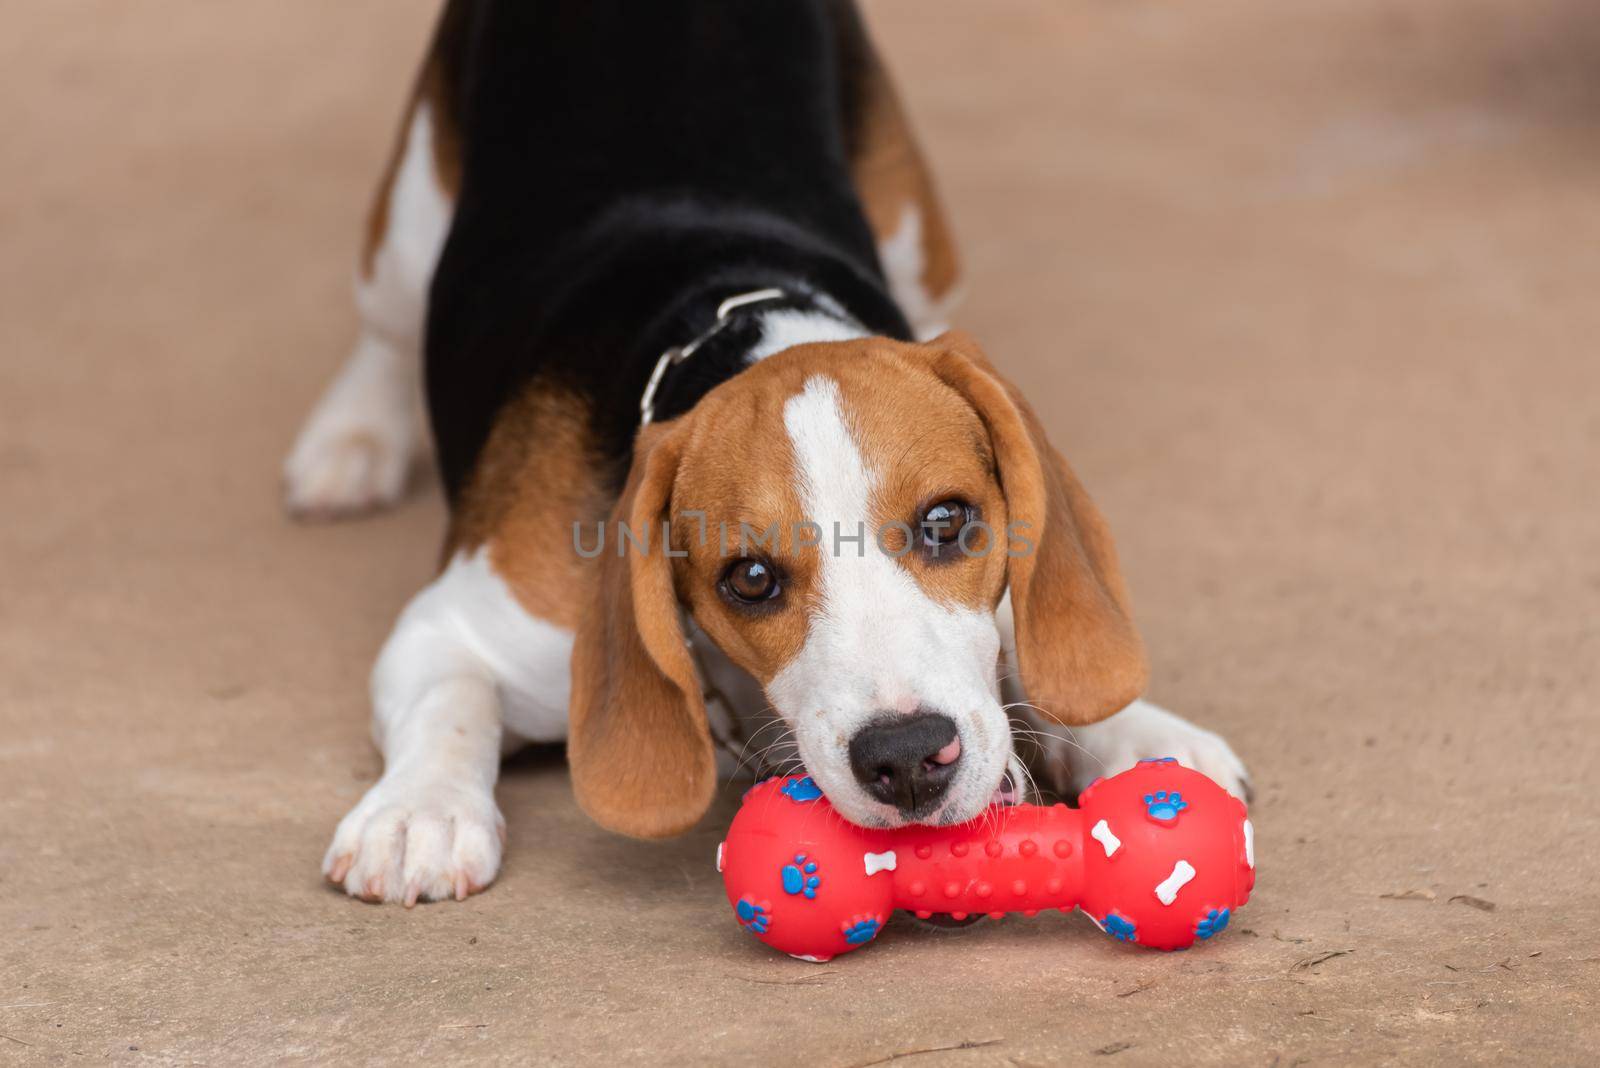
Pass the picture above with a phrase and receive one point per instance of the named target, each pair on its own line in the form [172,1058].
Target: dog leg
[429,829]
[1073,757]
[355,451]
[903,254]
[1070,758]
[1144,730]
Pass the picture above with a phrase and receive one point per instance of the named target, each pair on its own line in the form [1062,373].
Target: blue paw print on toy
[862,931]
[798,877]
[801,789]
[1164,807]
[1117,927]
[1211,923]
[752,917]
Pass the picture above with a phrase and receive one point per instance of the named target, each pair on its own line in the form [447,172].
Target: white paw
[336,471]
[354,453]
[342,475]
[417,842]
[1143,730]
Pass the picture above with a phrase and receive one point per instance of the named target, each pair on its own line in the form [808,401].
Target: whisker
[1035,733]
[747,757]
[1032,784]
[763,755]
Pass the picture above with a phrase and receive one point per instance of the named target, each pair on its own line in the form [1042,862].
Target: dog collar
[678,353]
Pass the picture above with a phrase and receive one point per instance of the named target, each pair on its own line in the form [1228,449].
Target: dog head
[843,520]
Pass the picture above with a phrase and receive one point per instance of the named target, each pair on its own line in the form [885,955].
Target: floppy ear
[1081,658]
[638,742]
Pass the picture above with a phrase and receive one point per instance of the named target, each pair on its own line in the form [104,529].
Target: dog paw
[417,842]
[341,469]
[1142,731]
[354,452]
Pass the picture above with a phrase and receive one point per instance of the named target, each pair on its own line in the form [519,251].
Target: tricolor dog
[673,279]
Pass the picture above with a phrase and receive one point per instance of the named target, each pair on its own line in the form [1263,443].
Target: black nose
[895,759]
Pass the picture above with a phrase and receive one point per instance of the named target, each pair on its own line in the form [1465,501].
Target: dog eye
[941,526]
[751,581]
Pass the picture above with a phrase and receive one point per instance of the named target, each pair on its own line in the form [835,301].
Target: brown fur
[638,742]
[737,468]
[889,172]
[537,476]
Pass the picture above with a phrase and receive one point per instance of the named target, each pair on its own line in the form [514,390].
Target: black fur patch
[627,165]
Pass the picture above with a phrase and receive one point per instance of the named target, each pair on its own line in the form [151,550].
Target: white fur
[1143,730]
[356,448]
[787,328]
[464,661]
[904,262]
[877,641]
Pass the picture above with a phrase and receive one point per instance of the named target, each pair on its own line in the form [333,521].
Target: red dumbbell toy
[1159,855]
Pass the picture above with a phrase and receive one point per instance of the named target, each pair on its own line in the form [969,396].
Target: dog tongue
[949,753]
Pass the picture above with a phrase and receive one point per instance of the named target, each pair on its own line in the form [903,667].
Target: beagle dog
[722,487]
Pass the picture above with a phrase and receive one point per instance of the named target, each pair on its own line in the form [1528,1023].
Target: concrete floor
[1307,293]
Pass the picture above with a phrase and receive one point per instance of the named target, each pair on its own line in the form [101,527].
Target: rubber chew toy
[1158,855]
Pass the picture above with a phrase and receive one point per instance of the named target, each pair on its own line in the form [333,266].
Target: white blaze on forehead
[876,640]
[835,481]
[1108,841]
[1167,889]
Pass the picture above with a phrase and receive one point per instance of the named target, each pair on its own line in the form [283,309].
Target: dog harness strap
[678,353]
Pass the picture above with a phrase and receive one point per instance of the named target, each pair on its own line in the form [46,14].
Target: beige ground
[1308,293]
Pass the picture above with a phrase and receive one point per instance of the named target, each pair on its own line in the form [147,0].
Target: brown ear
[1080,656]
[638,742]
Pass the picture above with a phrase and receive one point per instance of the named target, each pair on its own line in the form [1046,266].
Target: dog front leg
[429,829]
[1070,758]
[1143,731]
